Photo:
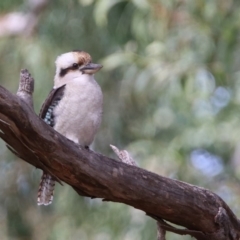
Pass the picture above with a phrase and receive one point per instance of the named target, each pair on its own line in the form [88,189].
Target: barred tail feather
[45,191]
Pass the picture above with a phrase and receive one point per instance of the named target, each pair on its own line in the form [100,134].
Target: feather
[46,187]
[45,191]
[46,112]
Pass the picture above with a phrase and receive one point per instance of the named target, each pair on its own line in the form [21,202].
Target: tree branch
[204,214]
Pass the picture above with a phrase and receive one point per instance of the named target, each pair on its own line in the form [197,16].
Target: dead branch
[203,214]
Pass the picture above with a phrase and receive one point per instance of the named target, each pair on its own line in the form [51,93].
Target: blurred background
[171,81]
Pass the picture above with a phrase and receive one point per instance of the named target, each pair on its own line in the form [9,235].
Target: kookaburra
[73,107]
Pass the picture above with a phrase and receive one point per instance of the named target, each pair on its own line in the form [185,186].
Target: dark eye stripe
[64,71]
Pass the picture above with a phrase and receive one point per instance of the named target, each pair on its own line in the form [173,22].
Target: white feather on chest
[79,113]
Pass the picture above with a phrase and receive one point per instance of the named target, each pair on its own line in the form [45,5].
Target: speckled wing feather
[46,187]
[52,100]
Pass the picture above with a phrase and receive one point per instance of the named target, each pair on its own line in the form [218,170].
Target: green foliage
[171,83]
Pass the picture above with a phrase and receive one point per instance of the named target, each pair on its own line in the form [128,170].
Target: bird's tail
[45,191]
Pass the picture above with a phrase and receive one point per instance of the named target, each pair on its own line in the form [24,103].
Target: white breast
[79,113]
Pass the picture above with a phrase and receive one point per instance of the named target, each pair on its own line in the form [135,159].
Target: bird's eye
[75,65]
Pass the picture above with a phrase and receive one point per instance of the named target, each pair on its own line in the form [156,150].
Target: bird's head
[73,65]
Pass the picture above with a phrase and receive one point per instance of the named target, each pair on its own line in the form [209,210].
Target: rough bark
[204,214]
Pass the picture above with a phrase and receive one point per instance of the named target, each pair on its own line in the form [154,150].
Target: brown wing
[54,96]
[46,188]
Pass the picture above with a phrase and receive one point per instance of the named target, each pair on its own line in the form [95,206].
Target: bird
[73,107]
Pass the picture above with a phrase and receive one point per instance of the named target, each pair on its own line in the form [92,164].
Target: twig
[26,87]
[124,156]
[161,232]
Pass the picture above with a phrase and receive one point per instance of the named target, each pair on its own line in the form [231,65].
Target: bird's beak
[90,68]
